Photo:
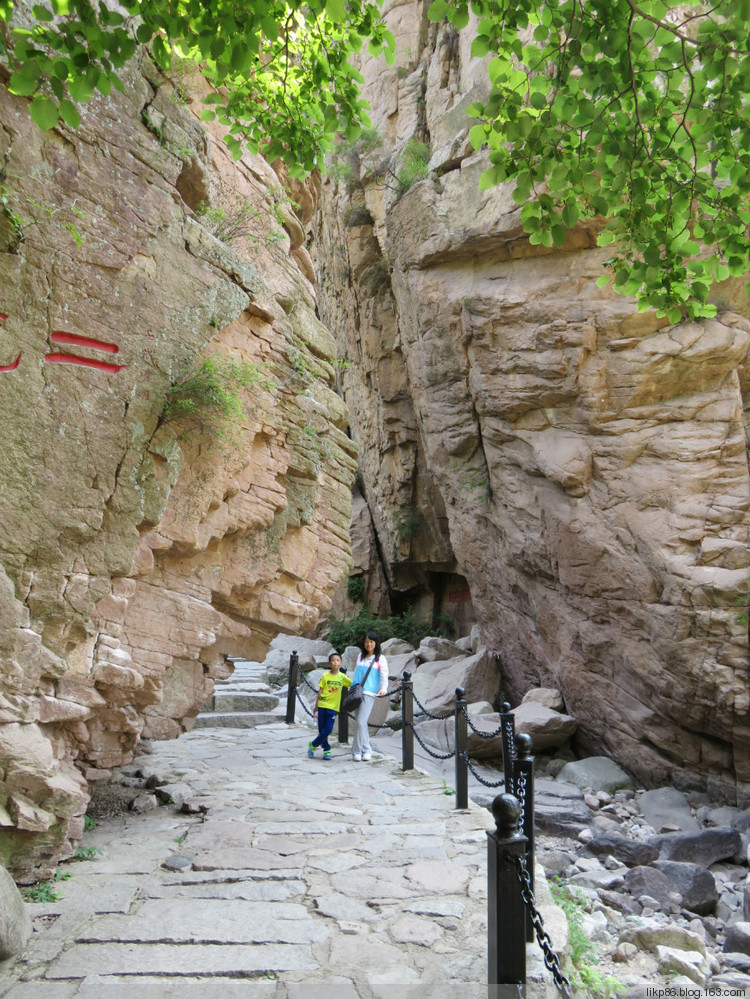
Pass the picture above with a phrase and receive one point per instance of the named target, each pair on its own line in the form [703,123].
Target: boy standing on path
[328,704]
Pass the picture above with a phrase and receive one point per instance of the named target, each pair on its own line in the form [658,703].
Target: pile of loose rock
[660,877]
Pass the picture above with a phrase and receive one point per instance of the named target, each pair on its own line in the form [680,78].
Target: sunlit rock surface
[136,551]
[584,466]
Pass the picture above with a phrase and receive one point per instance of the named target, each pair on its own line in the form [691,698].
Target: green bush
[206,395]
[414,166]
[585,978]
[351,630]
[355,588]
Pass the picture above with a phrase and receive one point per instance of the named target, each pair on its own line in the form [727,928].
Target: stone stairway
[243,701]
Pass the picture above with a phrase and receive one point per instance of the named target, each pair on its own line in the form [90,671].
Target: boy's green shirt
[331,685]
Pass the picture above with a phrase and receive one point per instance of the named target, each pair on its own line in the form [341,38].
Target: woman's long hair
[374,636]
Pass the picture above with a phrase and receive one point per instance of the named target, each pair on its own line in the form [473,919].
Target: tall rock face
[587,462]
[137,548]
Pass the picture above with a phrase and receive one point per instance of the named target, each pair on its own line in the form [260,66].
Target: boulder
[349,658]
[547,728]
[436,648]
[477,674]
[479,708]
[15,922]
[398,663]
[559,807]
[737,939]
[705,847]
[650,934]
[311,646]
[666,806]
[631,852]
[276,665]
[690,963]
[396,647]
[642,881]
[597,772]
[695,883]
[741,821]
[547,696]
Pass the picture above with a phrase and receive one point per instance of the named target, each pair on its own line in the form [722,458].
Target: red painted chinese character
[58,336]
[14,365]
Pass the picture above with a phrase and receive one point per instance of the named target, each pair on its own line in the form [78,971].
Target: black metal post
[407,721]
[523,779]
[343,715]
[506,913]
[508,724]
[462,746]
[291,692]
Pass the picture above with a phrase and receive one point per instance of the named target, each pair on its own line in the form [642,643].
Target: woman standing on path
[372,659]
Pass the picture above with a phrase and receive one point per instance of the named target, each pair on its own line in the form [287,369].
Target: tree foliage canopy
[637,111]
[284,81]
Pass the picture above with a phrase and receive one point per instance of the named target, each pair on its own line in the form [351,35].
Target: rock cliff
[583,465]
[138,547]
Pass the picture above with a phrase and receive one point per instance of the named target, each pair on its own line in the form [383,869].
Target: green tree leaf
[69,113]
[44,112]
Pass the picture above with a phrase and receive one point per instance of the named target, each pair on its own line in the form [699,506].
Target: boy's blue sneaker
[310,749]
[327,755]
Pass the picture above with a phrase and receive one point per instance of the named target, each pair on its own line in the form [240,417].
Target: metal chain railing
[435,756]
[302,702]
[551,960]
[521,791]
[306,681]
[476,731]
[429,714]
[487,783]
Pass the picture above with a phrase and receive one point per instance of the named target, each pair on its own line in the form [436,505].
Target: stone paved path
[303,879]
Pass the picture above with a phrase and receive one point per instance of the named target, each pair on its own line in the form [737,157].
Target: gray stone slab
[294,828]
[436,907]
[42,990]
[253,891]
[180,959]
[232,921]
[98,893]
[341,907]
[236,700]
[230,876]
[237,719]
[111,987]
[335,988]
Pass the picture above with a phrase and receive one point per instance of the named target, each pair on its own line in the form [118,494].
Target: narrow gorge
[512,445]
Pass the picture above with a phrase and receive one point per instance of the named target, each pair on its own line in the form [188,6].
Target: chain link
[299,698]
[304,678]
[507,726]
[551,960]
[429,714]
[487,783]
[520,792]
[435,756]
[482,735]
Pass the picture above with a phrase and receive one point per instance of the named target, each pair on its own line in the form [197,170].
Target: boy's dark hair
[332,654]
[374,636]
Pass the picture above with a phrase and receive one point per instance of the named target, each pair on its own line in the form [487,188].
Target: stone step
[224,701]
[243,687]
[239,719]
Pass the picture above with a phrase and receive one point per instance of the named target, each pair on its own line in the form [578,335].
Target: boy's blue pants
[326,721]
